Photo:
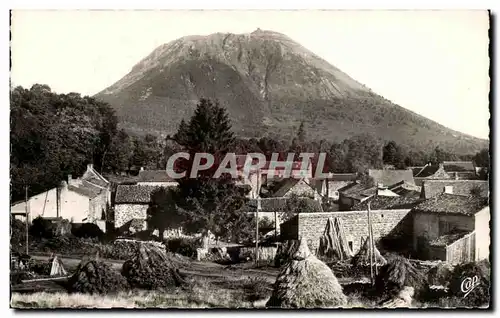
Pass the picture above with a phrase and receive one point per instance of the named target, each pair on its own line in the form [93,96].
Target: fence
[462,250]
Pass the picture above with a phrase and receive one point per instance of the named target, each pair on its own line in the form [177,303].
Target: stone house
[461,170]
[429,171]
[81,200]
[155,178]
[432,188]
[388,178]
[441,222]
[356,192]
[329,187]
[132,203]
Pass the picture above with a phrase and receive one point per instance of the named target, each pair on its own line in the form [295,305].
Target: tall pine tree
[206,203]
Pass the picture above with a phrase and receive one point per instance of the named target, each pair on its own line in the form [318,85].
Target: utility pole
[26,210]
[370,246]
[257,232]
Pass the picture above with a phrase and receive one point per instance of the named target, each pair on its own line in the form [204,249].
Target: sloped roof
[406,189]
[340,177]
[138,194]
[390,177]
[387,203]
[154,176]
[285,186]
[464,175]
[431,188]
[458,166]
[427,171]
[86,188]
[280,205]
[447,239]
[445,203]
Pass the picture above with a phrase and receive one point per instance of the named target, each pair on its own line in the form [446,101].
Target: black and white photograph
[250,159]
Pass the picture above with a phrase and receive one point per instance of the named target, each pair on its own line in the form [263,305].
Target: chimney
[90,166]
[70,179]
[448,189]
[456,175]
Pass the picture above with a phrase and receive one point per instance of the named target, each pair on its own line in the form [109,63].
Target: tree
[482,158]
[301,134]
[162,212]
[206,203]
[393,155]
[364,152]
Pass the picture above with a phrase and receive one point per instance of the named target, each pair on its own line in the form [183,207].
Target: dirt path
[202,269]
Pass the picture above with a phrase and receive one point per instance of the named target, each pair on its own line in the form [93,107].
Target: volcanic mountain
[269,84]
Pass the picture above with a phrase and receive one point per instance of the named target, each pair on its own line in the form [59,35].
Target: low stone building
[132,203]
[429,171]
[155,178]
[452,228]
[329,187]
[431,188]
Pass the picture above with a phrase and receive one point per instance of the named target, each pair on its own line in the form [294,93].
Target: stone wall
[310,226]
[126,212]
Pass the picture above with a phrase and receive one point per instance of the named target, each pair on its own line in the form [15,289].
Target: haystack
[306,282]
[95,277]
[398,273]
[152,268]
[57,268]
[285,251]
[362,258]
[333,243]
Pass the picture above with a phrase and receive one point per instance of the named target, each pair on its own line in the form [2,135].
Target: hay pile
[440,274]
[306,282]
[96,277]
[333,243]
[398,273]
[478,273]
[362,258]
[284,253]
[152,268]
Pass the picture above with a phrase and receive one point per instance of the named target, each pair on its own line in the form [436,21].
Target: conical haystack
[57,268]
[284,253]
[151,268]
[333,243]
[397,274]
[362,258]
[306,282]
[95,277]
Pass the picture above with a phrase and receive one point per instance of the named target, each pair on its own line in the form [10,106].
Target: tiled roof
[432,188]
[154,176]
[458,166]
[452,204]
[427,171]
[405,188]
[387,203]
[447,239]
[139,194]
[285,186]
[280,205]
[86,188]
[390,177]
[97,181]
[340,177]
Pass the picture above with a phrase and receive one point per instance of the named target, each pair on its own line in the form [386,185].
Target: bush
[42,228]
[184,246]
[17,232]
[480,294]
[87,230]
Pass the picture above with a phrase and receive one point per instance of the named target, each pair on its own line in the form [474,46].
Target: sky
[434,63]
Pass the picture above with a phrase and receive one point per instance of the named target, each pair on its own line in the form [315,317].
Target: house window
[350,245]
[448,189]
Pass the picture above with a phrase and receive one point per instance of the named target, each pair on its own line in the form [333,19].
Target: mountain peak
[269,84]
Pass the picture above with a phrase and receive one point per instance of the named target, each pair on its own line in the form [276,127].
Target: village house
[81,200]
[329,187]
[155,178]
[132,203]
[429,171]
[452,228]
[431,188]
[357,192]
[388,178]
[405,188]
[460,170]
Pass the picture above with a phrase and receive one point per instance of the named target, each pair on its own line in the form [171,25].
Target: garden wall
[310,226]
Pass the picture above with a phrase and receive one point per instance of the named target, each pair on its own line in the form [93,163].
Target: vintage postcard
[249,159]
